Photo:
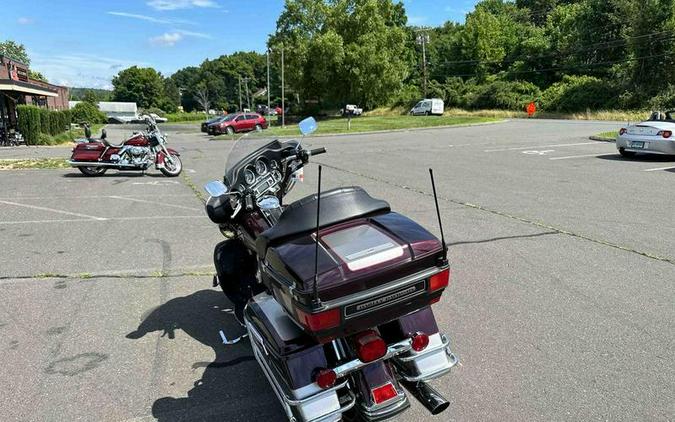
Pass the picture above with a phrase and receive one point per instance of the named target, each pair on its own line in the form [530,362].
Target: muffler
[427,395]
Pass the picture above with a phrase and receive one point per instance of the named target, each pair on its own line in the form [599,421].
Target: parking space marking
[534,152]
[54,210]
[580,156]
[154,203]
[75,220]
[660,168]
[537,146]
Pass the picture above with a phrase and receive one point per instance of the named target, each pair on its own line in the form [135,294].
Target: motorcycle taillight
[439,280]
[320,321]
[369,346]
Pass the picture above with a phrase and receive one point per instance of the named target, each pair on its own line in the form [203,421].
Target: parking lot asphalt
[560,307]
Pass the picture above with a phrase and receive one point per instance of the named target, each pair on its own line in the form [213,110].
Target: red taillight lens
[666,133]
[384,393]
[420,341]
[321,321]
[622,131]
[325,378]
[440,280]
[370,346]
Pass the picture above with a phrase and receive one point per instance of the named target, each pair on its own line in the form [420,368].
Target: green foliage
[37,76]
[40,126]
[144,86]
[78,94]
[664,100]
[44,120]
[499,94]
[90,97]
[87,112]
[28,118]
[15,51]
[407,96]
[186,117]
[577,93]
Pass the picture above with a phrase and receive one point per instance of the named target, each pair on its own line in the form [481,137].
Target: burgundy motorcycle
[94,157]
[334,290]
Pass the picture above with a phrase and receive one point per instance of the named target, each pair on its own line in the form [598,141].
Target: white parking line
[53,210]
[154,203]
[540,146]
[75,220]
[660,168]
[580,156]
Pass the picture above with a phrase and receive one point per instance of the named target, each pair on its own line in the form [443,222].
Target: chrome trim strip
[452,361]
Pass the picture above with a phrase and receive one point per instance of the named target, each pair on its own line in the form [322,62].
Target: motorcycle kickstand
[227,342]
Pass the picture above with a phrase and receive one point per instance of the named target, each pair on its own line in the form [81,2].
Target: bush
[578,93]
[187,117]
[155,110]
[665,100]
[505,95]
[44,120]
[408,96]
[87,112]
[29,123]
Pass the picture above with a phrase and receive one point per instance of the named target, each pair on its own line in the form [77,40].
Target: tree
[90,97]
[144,86]
[37,76]
[202,97]
[15,51]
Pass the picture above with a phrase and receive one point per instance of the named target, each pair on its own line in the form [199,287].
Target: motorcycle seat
[337,206]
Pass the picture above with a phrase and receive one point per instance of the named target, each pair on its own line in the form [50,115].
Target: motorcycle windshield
[246,148]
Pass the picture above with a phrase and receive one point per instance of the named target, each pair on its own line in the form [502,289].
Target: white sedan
[653,136]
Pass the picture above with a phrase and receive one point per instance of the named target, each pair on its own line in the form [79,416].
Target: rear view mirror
[215,188]
[308,126]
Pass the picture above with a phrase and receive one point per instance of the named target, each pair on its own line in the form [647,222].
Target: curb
[601,139]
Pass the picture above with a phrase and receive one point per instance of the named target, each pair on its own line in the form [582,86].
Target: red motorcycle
[94,157]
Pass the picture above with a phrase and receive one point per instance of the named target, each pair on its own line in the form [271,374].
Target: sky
[86,43]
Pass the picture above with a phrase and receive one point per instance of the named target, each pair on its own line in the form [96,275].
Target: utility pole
[248,94]
[268,81]
[283,91]
[423,38]
[240,107]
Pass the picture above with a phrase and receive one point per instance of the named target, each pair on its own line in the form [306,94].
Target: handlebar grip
[317,151]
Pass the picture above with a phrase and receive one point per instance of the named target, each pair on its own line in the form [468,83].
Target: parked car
[653,136]
[238,122]
[205,125]
[427,107]
[158,119]
[351,110]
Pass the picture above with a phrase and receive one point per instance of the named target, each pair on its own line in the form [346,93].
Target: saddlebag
[371,271]
[87,151]
[290,358]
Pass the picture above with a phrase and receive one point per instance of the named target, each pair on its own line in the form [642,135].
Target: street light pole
[268,81]
[283,91]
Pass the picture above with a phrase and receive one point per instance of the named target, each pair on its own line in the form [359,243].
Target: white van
[427,107]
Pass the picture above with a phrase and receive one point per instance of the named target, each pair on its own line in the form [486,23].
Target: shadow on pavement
[232,387]
[647,158]
[115,173]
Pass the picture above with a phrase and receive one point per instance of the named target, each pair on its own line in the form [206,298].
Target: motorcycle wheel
[92,171]
[172,170]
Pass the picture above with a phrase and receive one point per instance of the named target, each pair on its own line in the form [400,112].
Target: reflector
[439,280]
[384,393]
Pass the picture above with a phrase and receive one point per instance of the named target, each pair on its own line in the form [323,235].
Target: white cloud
[151,19]
[180,4]
[80,70]
[168,39]
[25,21]
[194,34]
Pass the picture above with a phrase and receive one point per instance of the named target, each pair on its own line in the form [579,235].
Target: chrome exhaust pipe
[427,395]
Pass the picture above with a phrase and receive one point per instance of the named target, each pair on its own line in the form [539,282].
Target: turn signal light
[320,321]
[384,393]
[622,131]
[325,378]
[440,280]
[420,341]
[370,346]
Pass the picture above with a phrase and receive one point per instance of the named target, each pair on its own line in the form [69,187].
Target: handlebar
[317,151]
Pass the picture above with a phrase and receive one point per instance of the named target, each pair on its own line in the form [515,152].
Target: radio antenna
[438,214]
[317,301]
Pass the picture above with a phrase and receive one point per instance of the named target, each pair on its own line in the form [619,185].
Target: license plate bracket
[637,144]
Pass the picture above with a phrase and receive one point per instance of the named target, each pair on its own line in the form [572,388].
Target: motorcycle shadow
[79,175]
[232,387]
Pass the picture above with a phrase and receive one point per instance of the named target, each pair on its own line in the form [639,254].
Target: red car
[238,122]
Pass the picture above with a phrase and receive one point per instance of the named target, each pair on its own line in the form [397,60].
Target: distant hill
[77,94]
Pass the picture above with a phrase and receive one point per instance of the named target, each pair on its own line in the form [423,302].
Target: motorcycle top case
[370,271]
[87,151]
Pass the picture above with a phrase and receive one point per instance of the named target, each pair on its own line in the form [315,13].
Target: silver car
[653,136]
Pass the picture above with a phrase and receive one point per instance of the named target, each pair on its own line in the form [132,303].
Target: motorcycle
[94,157]
[334,290]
